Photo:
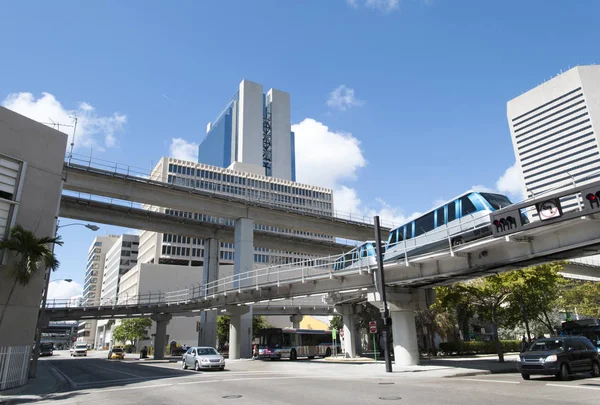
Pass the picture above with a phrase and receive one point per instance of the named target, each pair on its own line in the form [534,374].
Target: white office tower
[252,133]
[94,273]
[555,129]
[161,248]
[121,257]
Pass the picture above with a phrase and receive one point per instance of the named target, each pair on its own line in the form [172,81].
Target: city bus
[289,343]
[460,220]
[590,328]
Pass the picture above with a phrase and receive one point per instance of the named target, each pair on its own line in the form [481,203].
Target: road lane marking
[136,388]
[490,381]
[573,386]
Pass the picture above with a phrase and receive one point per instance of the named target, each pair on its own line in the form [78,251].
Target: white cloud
[511,182]
[324,157]
[382,5]
[343,98]
[62,290]
[332,159]
[93,131]
[182,149]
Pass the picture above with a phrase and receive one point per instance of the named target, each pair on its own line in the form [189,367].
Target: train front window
[497,201]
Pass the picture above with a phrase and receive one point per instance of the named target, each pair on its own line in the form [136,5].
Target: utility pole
[386,313]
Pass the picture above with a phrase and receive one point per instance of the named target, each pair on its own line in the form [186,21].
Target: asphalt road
[99,381]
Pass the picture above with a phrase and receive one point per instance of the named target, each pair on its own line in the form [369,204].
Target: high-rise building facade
[121,257]
[173,249]
[555,132]
[252,134]
[94,273]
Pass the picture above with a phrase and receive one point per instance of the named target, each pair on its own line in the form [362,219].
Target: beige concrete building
[31,162]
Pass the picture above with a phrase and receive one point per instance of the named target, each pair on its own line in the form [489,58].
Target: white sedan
[202,358]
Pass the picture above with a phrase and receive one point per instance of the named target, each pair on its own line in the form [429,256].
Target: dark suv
[560,356]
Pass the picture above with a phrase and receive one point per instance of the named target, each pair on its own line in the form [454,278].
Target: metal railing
[141,174]
[14,365]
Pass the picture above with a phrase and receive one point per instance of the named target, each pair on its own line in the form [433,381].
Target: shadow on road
[91,373]
[476,364]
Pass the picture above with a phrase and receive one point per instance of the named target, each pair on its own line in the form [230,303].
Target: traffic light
[593,200]
[504,224]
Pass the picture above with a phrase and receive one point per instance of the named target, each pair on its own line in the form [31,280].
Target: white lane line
[573,386]
[490,381]
[145,386]
[139,387]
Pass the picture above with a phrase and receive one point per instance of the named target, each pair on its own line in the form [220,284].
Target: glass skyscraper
[252,134]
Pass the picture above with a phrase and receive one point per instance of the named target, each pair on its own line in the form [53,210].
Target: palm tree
[31,252]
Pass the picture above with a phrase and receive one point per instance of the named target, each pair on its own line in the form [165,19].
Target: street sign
[334,333]
[373,327]
[341,333]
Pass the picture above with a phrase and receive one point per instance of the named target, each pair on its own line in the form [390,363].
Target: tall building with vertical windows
[252,134]
[121,257]
[555,131]
[173,249]
[92,287]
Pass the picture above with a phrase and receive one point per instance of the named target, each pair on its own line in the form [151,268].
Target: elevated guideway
[85,209]
[515,243]
[107,183]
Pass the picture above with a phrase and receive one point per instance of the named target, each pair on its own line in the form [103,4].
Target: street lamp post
[40,320]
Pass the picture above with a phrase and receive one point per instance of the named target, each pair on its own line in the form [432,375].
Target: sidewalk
[444,366]
[47,381]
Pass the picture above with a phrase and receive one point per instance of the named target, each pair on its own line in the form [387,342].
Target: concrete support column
[240,332]
[349,316]
[162,320]
[207,335]
[404,332]
[244,250]
[295,320]
[402,303]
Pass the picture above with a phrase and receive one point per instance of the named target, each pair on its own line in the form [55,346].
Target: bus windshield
[271,339]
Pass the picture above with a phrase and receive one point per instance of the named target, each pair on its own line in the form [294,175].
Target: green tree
[31,252]
[456,305]
[336,322]
[489,298]
[535,294]
[132,330]
[582,298]
[258,324]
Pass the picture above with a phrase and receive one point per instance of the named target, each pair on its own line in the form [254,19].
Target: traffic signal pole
[385,332]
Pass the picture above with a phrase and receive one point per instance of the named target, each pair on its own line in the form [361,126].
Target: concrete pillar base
[404,332]
[350,340]
[207,335]
[162,320]
[240,332]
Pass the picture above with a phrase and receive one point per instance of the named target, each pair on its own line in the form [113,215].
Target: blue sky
[421,115]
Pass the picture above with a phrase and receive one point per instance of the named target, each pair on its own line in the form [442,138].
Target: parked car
[117,353]
[46,349]
[202,358]
[80,349]
[560,356]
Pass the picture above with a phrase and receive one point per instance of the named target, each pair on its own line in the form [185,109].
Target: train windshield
[497,201]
